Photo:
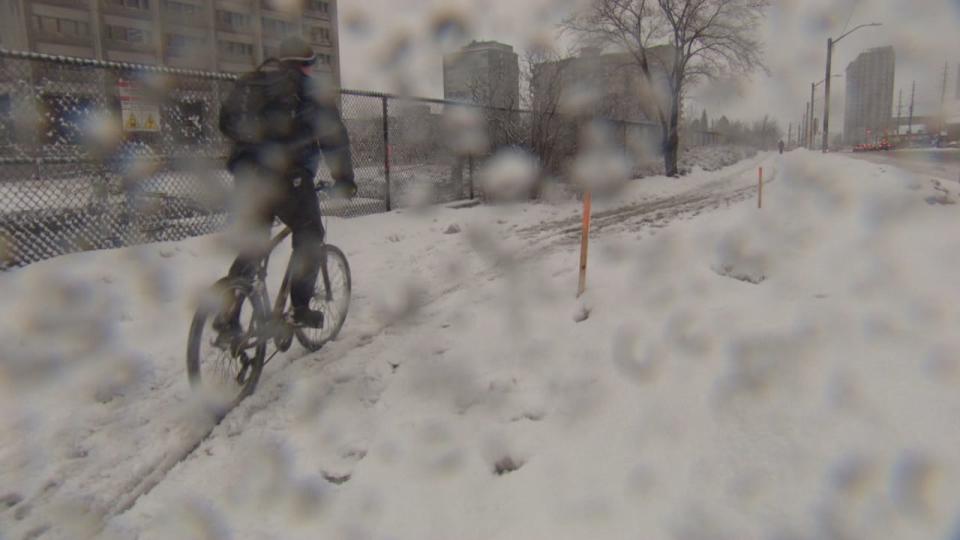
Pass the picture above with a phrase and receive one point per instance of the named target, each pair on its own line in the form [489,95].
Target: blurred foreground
[784,372]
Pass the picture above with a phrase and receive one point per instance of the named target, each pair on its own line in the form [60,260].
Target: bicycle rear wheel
[227,370]
[333,302]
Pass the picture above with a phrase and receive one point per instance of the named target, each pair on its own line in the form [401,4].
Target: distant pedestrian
[780,145]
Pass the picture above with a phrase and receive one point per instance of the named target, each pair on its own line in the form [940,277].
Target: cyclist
[275,179]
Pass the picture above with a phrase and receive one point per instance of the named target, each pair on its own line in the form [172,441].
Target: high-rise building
[869,99]
[217,35]
[958,82]
[484,73]
[612,85]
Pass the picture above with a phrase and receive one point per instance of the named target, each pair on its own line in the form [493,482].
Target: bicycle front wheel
[226,368]
[331,296]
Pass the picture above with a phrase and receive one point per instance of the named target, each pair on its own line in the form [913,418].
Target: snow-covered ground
[784,372]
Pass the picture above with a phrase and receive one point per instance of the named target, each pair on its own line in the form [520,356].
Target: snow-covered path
[463,401]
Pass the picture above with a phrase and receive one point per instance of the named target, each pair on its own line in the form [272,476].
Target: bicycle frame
[281,300]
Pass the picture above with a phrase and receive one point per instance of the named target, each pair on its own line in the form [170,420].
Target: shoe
[304,316]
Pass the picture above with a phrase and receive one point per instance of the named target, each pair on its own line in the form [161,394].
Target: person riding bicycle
[274,173]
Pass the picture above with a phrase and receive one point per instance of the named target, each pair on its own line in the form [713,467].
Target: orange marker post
[584,242]
[760,189]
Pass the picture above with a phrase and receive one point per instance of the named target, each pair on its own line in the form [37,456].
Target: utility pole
[913,92]
[790,135]
[957,89]
[899,112]
[826,90]
[943,96]
[812,123]
[826,93]
[803,120]
[806,124]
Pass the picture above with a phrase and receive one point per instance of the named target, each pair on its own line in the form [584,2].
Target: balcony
[62,39]
[129,46]
[276,27]
[76,4]
[317,9]
[139,9]
[234,28]
[191,21]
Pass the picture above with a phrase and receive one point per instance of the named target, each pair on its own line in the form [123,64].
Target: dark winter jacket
[318,128]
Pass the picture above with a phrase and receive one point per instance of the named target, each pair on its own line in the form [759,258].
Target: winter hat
[295,49]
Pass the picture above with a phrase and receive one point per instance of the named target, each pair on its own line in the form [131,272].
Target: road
[939,163]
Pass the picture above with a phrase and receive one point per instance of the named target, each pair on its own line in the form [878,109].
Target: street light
[812,140]
[826,100]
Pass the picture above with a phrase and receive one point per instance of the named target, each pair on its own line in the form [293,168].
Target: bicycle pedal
[284,336]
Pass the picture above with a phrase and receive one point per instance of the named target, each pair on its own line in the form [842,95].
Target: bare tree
[705,38]
[495,89]
[541,73]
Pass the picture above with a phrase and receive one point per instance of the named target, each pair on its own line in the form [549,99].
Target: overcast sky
[397,45]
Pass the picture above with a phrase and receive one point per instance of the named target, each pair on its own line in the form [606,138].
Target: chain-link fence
[102,154]
[97,155]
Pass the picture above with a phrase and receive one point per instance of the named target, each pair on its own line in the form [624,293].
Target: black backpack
[262,106]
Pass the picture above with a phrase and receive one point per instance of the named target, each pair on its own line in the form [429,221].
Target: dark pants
[297,207]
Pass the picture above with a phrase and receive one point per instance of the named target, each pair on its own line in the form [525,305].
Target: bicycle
[237,365]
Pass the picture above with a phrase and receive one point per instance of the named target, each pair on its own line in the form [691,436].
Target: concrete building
[485,73]
[214,35]
[610,85]
[869,96]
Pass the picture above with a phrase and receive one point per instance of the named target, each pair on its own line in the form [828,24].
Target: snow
[731,372]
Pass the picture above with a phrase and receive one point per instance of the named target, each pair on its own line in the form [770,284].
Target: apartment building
[214,35]
[609,85]
[869,96]
[485,73]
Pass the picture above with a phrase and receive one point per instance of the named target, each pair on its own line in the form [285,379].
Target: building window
[319,34]
[181,45]
[182,9]
[127,34]
[276,27]
[234,48]
[233,20]
[63,27]
[318,5]
[143,5]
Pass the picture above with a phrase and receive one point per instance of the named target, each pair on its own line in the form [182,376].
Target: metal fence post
[386,149]
[624,140]
[470,171]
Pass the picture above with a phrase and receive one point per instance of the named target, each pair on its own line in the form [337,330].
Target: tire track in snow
[714,193]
